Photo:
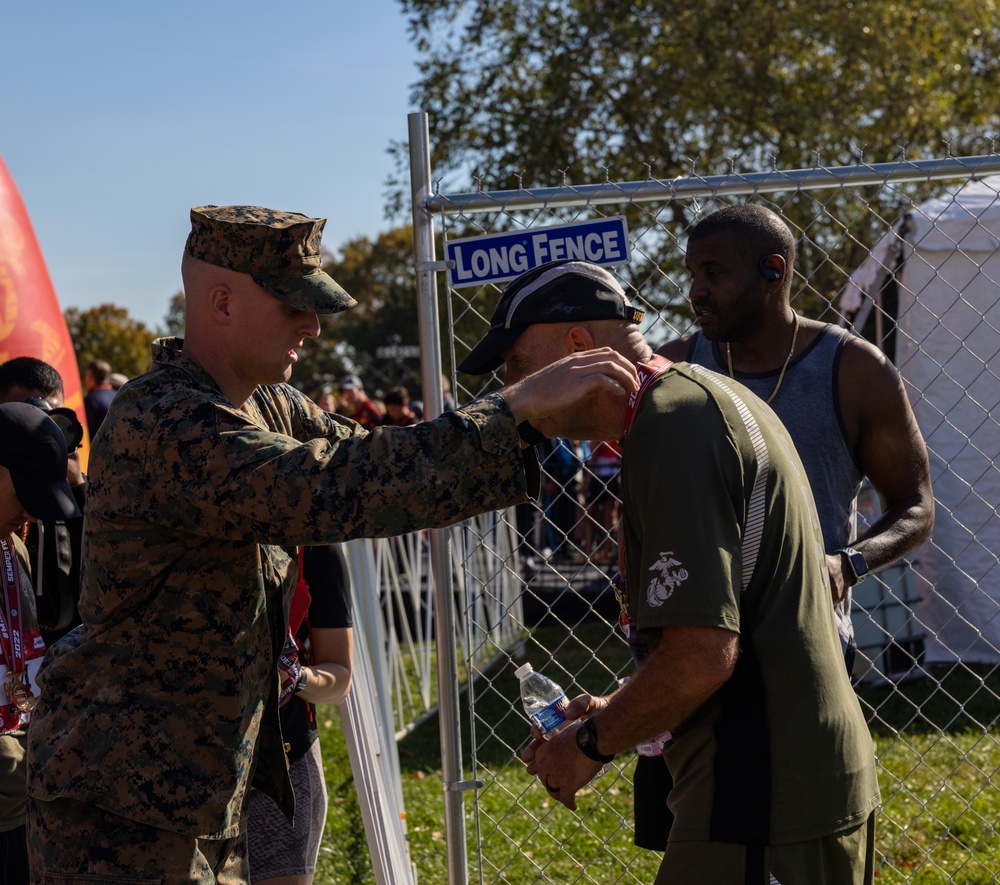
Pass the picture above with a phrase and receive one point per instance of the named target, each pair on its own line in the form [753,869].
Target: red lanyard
[12,630]
[648,373]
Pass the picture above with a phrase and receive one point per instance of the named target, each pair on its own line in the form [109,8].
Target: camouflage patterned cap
[279,250]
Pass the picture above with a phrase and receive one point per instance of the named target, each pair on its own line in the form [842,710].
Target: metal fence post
[440,539]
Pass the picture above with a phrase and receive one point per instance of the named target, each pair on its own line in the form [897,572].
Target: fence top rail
[775,180]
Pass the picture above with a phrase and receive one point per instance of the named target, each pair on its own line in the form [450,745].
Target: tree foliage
[536,93]
[379,338]
[107,332]
[529,90]
[173,319]
[379,275]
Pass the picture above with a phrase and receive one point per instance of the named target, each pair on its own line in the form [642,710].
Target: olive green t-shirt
[715,498]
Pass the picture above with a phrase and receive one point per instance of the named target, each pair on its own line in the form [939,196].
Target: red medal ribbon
[12,631]
[648,373]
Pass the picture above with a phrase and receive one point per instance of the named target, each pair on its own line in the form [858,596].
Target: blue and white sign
[497,257]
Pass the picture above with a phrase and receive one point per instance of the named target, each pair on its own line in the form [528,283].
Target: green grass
[937,740]
[938,746]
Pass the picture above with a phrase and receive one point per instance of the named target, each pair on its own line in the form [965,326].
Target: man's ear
[772,268]
[220,303]
[578,338]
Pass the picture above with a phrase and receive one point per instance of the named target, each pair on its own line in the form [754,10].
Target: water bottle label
[551,717]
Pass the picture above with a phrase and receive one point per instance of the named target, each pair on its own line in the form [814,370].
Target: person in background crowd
[725,600]
[356,404]
[316,668]
[100,392]
[602,496]
[397,408]
[160,712]
[57,577]
[327,401]
[32,486]
[448,401]
[561,501]
[117,379]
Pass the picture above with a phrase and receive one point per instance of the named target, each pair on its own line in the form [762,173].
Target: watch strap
[530,434]
[586,741]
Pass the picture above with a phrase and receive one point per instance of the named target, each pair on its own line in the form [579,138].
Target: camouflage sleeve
[282,406]
[215,472]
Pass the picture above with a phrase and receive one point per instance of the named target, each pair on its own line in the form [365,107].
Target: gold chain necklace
[788,359]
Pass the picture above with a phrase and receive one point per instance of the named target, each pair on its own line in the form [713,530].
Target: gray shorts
[277,849]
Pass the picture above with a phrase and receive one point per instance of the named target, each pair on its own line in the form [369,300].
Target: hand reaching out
[551,398]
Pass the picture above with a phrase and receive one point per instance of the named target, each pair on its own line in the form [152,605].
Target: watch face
[858,563]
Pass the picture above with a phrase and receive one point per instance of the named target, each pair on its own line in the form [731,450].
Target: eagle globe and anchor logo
[671,575]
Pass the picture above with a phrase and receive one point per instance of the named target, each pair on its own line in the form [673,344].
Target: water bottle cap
[520,671]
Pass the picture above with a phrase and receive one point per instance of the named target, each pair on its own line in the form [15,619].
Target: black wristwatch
[530,434]
[858,566]
[586,740]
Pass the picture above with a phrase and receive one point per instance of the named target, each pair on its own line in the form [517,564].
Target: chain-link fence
[396,600]
[929,628]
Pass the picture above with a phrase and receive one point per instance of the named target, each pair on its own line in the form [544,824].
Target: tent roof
[968,219]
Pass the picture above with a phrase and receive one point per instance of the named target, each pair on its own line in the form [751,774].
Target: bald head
[756,230]
[624,337]
[199,277]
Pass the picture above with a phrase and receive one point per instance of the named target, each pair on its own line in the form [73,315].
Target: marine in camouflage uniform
[160,712]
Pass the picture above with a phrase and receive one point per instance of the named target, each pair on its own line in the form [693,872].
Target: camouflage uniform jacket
[162,706]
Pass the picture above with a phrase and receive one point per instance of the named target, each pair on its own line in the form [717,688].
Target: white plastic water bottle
[544,701]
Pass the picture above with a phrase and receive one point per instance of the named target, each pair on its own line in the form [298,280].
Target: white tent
[944,259]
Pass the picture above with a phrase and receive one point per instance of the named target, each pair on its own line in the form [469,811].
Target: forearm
[903,527]
[688,665]
[325,683]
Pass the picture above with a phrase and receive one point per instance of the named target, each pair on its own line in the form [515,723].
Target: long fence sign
[494,258]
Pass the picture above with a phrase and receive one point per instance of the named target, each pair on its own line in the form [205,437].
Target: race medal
[20,695]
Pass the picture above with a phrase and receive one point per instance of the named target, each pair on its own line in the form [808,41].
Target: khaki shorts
[846,858]
[72,843]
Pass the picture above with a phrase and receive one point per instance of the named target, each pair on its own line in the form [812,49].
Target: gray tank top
[809,407]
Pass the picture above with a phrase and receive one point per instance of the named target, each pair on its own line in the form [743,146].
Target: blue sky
[117,117]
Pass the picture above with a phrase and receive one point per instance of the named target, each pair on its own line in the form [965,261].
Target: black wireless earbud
[768,273]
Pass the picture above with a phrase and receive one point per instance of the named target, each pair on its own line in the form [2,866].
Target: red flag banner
[31,322]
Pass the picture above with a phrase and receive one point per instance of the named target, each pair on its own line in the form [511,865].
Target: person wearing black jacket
[57,577]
